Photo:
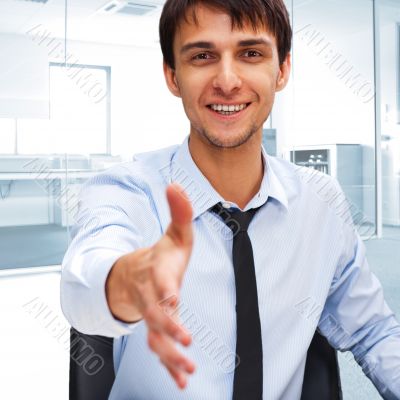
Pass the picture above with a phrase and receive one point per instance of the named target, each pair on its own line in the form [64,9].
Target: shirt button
[226,204]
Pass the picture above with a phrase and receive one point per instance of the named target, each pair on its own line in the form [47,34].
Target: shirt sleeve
[357,318]
[114,218]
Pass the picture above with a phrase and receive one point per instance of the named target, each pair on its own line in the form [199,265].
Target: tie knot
[237,221]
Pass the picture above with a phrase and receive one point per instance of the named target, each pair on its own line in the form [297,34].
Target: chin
[228,140]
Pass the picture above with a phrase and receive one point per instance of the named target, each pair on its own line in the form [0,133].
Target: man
[161,275]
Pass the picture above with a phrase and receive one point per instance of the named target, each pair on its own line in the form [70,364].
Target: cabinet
[353,165]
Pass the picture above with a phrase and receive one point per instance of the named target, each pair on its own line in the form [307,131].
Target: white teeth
[228,108]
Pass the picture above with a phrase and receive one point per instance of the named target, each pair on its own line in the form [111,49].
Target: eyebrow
[255,42]
[210,45]
[197,45]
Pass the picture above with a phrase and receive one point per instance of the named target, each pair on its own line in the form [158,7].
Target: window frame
[398,71]
[40,267]
[107,70]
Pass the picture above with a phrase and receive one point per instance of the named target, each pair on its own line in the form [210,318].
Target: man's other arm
[357,318]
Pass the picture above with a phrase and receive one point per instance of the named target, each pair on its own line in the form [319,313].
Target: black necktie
[248,378]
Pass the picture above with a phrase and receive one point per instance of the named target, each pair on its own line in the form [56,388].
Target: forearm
[357,318]
[382,362]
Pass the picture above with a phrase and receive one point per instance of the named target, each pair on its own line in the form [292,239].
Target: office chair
[90,379]
[321,375]
[91,366]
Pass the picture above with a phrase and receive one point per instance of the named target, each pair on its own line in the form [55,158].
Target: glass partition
[79,115]
[389,72]
[343,100]
[63,62]
[333,127]
[31,173]
[55,123]
[384,254]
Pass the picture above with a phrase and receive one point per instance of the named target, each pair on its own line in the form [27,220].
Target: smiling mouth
[224,109]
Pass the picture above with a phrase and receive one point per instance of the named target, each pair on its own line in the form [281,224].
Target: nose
[227,79]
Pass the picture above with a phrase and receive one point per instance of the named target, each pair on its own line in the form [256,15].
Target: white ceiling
[84,22]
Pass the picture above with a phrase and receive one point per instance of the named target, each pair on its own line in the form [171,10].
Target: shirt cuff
[84,295]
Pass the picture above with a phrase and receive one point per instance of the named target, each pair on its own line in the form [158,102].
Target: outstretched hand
[145,284]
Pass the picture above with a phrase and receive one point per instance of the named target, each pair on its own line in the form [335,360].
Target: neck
[235,173]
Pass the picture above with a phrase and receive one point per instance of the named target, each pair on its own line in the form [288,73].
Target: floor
[34,341]
[384,259]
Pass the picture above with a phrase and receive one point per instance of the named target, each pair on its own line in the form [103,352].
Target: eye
[201,56]
[252,54]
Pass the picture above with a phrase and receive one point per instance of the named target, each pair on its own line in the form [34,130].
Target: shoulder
[137,174]
[131,186]
[312,191]
[299,180]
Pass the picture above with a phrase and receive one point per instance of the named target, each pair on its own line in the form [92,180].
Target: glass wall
[341,115]
[55,126]
[79,113]
[386,252]
[388,17]
[81,88]
[31,171]
[331,99]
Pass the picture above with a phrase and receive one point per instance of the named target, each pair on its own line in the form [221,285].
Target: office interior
[82,89]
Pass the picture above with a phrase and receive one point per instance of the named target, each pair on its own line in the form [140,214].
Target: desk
[38,201]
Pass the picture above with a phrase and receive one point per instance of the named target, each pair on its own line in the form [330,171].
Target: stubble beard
[230,143]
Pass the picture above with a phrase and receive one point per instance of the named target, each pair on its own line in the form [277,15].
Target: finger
[167,281]
[159,315]
[179,376]
[168,352]
[181,210]
[158,321]
[169,305]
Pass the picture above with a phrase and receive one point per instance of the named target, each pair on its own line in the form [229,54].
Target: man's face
[226,78]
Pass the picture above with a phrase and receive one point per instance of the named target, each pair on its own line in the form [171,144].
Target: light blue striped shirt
[310,266]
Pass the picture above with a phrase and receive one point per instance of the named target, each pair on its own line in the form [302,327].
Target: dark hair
[271,14]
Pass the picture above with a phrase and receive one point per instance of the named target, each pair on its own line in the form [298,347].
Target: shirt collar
[273,185]
[184,171]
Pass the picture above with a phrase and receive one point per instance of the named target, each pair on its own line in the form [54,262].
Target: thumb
[180,228]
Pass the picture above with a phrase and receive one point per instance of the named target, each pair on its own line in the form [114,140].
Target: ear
[170,79]
[284,73]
